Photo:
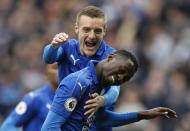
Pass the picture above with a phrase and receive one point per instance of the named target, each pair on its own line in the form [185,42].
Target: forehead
[91,22]
[124,62]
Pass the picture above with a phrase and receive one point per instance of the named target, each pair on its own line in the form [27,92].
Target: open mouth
[90,44]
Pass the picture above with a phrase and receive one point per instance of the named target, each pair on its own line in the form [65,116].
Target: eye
[86,29]
[98,31]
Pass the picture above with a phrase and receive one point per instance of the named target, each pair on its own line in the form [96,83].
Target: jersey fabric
[31,112]
[71,95]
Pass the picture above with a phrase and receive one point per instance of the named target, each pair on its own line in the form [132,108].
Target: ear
[76,28]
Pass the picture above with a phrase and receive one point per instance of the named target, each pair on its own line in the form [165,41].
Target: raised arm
[52,52]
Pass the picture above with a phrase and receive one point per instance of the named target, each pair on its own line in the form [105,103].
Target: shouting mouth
[90,44]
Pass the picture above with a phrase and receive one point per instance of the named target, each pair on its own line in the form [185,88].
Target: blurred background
[157,31]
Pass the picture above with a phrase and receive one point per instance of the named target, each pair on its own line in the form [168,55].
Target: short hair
[129,56]
[93,12]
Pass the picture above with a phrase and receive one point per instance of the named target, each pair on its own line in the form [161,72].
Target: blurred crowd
[157,31]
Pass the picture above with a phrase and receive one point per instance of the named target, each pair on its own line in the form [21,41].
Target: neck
[53,87]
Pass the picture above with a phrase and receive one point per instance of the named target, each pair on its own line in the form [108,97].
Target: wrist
[142,115]
[54,46]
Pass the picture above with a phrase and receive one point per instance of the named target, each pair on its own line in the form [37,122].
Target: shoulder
[108,49]
[35,96]
[76,79]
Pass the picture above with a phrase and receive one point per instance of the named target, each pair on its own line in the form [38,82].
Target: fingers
[91,101]
[93,105]
[59,39]
[90,112]
[167,112]
[94,95]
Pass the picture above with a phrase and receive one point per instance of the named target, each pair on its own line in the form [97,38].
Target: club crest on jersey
[70,104]
[21,108]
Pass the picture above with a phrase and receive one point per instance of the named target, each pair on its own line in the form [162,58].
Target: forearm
[53,122]
[50,54]
[112,119]
[9,125]
[111,96]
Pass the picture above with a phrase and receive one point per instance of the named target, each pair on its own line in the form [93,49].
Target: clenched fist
[59,39]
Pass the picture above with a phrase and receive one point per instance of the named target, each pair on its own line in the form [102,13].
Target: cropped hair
[92,12]
[129,57]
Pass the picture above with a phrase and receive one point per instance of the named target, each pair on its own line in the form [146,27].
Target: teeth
[90,43]
[113,79]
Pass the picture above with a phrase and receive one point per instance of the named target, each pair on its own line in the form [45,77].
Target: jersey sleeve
[53,122]
[67,96]
[106,118]
[9,125]
[111,95]
[24,111]
[52,55]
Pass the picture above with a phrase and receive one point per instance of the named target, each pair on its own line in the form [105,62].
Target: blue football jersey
[71,95]
[31,111]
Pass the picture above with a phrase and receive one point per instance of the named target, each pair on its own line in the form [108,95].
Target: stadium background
[157,31]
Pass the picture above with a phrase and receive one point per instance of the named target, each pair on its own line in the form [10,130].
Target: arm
[106,118]
[98,101]
[54,125]
[52,52]
[64,103]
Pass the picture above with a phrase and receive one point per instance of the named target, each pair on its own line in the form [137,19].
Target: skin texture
[157,112]
[114,67]
[90,33]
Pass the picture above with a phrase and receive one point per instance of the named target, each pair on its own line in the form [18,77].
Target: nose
[92,34]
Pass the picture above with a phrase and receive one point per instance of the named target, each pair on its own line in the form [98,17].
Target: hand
[93,104]
[59,39]
[157,112]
